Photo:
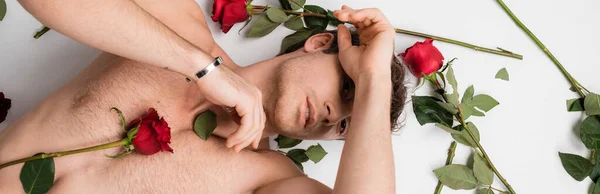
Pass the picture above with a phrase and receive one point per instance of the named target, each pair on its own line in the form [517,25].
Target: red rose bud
[4,106]
[229,12]
[154,134]
[423,58]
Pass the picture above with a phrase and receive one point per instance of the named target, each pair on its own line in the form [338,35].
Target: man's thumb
[344,37]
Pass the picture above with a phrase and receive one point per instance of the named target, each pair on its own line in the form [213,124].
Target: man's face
[311,98]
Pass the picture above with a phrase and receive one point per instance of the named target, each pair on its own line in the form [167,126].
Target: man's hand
[225,88]
[376,48]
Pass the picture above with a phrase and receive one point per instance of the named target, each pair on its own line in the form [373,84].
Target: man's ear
[319,42]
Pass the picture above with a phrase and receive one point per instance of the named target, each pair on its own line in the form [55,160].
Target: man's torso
[78,115]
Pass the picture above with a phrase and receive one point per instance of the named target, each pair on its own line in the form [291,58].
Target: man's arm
[124,28]
[185,17]
[120,27]
[367,163]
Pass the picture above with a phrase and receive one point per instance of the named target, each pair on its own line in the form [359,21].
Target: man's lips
[310,109]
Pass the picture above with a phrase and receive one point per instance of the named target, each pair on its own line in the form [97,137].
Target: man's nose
[332,115]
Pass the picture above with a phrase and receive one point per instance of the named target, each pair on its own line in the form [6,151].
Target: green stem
[492,188]
[498,51]
[43,31]
[310,14]
[65,153]
[438,188]
[479,146]
[539,43]
[486,157]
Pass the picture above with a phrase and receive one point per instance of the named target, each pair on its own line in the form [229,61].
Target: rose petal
[233,13]
[217,12]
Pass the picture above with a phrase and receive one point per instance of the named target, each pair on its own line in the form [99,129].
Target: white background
[522,136]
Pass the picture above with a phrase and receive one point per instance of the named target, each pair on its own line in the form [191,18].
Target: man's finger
[245,127]
[344,37]
[239,147]
[372,14]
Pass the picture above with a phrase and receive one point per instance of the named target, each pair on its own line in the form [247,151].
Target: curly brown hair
[398,73]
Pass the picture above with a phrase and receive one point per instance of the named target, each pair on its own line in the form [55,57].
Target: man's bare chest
[196,166]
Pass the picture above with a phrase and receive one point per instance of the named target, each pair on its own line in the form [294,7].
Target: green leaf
[452,98]
[295,38]
[503,75]
[464,136]
[485,191]
[287,142]
[442,77]
[590,132]
[298,155]
[484,102]
[299,165]
[595,173]
[467,111]
[276,15]
[427,110]
[2,9]
[262,27]
[205,124]
[575,105]
[285,4]
[468,95]
[448,64]
[315,22]
[456,176]
[451,78]
[596,189]
[578,167]
[447,129]
[294,24]
[316,153]
[482,171]
[592,104]
[449,107]
[332,19]
[120,114]
[297,4]
[37,176]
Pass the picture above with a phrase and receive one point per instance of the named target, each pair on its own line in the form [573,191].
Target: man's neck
[262,75]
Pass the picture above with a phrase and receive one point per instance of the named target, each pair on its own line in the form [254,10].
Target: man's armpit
[295,185]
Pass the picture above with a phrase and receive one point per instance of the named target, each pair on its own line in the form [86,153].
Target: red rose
[4,106]
[229,12]
[423,57]
[154,134]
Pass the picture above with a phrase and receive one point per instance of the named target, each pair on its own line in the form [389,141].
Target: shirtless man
[145,33]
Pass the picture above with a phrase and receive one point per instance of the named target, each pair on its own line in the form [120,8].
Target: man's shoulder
[281,161]
[290,178]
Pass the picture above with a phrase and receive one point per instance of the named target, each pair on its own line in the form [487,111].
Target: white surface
[522,135]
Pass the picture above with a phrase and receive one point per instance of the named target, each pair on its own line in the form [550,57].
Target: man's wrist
[198,63]
[379,76]
[375,82]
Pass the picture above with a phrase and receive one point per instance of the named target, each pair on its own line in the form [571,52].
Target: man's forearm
[367,164]
[120,27]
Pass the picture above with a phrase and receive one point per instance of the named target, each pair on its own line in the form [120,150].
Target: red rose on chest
[229,12]
[423,57]
[153,135]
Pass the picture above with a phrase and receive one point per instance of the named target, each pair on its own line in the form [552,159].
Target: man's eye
[346,90]
[343,126]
